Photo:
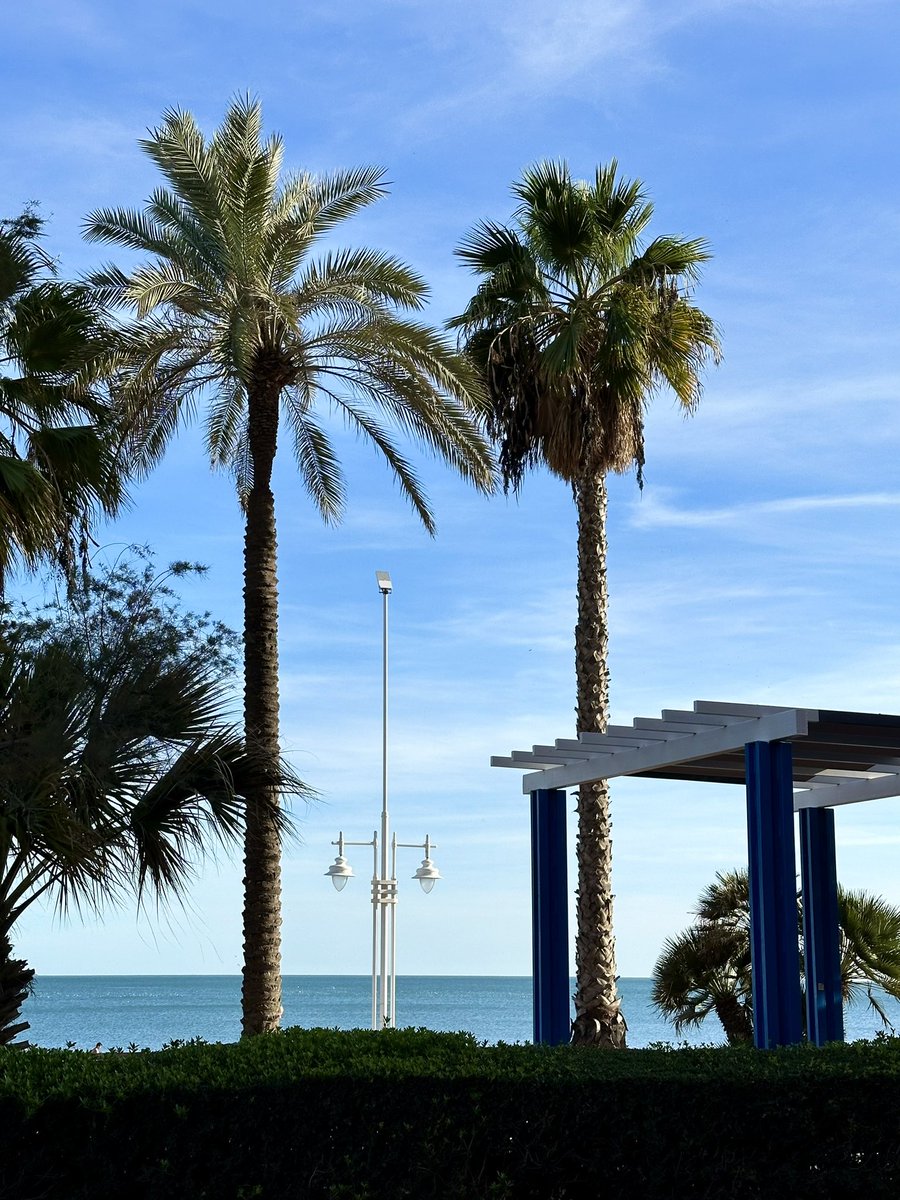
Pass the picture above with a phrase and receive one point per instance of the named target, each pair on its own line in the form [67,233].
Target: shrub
[409,1114]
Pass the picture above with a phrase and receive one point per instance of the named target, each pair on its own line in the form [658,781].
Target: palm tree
[58,463]
[233,308]
[119,763]
[706,969]
[574,327]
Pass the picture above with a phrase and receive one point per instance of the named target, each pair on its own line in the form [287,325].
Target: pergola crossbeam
[683,726]
[625,734]
[678,716]
[675,746]
[727,708]
[879,787]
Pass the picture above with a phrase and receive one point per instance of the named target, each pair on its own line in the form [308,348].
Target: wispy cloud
[551,44]
[653,511]
[530,48]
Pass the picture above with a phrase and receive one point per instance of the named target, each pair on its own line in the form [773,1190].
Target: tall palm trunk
[261,996]
[598,1020]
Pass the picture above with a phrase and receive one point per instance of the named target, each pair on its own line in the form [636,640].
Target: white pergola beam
[688,725]
[563,753]
[710,730]
[682,716]
[595,742]
[770,725]
[727,709]
[627,733]
[850,792]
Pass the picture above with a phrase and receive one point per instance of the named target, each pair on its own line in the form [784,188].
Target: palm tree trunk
[261,997]
[598,1019]
[736,1018]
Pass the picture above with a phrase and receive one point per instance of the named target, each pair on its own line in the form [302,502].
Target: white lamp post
[384,885]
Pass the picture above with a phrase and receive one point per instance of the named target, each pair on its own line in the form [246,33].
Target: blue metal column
[549,914]
[821,934]
[774,947]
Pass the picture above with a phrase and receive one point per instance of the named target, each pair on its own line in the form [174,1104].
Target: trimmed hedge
[409,1114]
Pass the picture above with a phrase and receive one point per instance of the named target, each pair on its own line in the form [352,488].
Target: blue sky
[761,562]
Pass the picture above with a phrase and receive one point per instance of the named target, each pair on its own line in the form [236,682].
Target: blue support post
[821,933]
[774,947]
[549,908]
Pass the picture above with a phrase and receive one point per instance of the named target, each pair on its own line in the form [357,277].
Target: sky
[761,562]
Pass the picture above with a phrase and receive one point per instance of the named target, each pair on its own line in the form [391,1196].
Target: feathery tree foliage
[233,308]
[574,326]
[58,453]
[120,762]
[706,969]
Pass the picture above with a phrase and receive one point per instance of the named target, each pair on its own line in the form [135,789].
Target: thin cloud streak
[656,513]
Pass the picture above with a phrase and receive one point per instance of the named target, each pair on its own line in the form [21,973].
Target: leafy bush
[409,1114]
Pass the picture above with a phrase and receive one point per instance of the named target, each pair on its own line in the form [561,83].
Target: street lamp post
[384,884]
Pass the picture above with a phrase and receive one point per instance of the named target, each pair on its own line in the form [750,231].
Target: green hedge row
[321,1113]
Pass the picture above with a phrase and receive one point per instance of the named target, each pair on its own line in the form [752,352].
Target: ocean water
[150,1010]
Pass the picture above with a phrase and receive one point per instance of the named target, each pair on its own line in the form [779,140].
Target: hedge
[410,1113]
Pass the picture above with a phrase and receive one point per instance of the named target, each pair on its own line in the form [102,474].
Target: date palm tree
[574,326]
[119,761]
[58,461]
[706,969]
[233,308]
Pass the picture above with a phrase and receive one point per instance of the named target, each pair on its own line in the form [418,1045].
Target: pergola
[789,760]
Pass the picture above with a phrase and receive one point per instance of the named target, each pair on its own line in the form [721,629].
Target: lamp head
[427,875]
[384,582]
[339,872]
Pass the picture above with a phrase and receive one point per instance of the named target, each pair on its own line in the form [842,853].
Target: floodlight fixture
[384,582]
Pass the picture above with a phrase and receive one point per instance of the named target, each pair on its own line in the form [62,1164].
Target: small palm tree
[119,763]
[232,308]
[706,969]
[574,326]
[58,463]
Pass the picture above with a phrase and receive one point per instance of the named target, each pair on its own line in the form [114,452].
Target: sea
[150,1011]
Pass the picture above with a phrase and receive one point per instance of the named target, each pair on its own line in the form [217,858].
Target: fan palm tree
[119,762]
[574,326]
[233,308]
[706,969]
[58,462]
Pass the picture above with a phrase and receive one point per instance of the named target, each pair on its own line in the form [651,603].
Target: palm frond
[226,423]
[331,199]
[490,247]
[574,326]
[121,764]
[365,423]
[179,150]
[315,457]
[126,227]
[373,281]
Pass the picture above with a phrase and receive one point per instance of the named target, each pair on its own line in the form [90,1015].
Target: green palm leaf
[57,422]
